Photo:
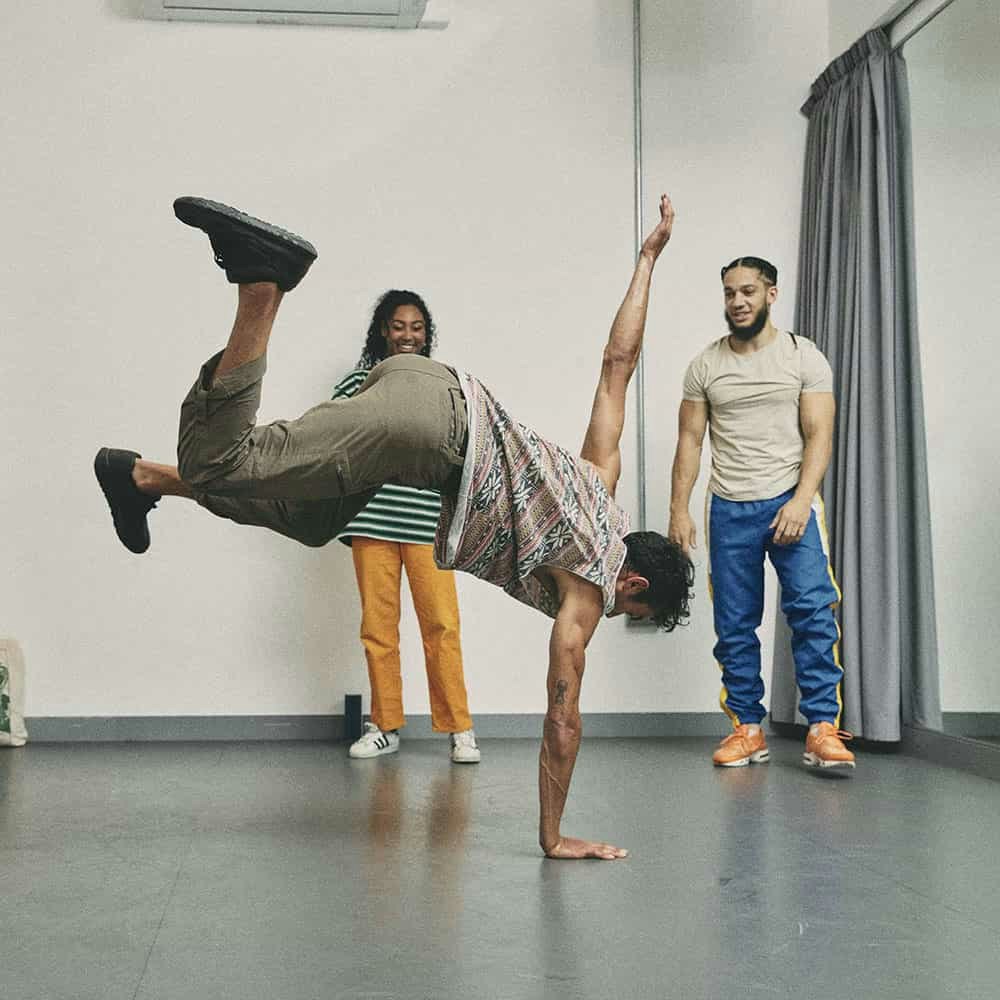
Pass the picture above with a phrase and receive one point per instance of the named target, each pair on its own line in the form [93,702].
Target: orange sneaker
[825,749]
[741,747]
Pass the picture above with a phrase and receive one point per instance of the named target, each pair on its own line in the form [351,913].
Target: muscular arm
[579,613]
[816,414]
[621,355]
[691,424]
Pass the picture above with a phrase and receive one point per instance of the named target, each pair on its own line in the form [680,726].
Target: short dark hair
[670,574]
[375,342]
[767,270]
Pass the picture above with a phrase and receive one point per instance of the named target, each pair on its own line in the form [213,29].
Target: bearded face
[748,301]
[757,322]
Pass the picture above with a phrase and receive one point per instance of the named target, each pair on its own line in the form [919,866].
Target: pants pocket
[458,431]
[342,471]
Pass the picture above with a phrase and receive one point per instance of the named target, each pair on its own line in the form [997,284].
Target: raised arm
[621,355]
[579,613]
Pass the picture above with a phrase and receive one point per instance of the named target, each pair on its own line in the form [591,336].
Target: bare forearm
[625,341]
[560,744]
[687,462]
[561,731]
[815,459]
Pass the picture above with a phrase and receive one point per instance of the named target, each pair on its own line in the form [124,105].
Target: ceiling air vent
[345,13]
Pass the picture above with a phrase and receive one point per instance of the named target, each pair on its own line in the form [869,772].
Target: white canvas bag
[12,731]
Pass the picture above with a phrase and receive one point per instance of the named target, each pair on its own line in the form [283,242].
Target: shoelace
[841,734]
[734,737]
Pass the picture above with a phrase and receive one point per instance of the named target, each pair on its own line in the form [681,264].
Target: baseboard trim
[963,754]
[330,728]
[970,755]
[972,725]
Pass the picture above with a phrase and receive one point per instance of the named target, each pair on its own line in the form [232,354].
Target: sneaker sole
[757,757]
[198,212]
[378,752]
[812,760]
[465,760]
[103,471]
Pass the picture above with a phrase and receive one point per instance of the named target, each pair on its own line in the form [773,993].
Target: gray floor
[148,872]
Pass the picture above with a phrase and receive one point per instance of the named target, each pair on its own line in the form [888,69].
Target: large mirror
[954,76]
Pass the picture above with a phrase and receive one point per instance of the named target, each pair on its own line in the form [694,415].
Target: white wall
[489,166]
[954,80]
[722,84]
[850,19]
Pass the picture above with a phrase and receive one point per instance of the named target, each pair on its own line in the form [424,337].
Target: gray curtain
[856,298]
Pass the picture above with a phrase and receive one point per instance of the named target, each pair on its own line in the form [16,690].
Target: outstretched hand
[660,236]
[569,848]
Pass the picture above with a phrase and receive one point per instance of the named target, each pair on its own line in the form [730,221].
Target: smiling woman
[401,324]
[396,530]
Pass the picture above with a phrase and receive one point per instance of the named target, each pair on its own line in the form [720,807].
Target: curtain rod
[917,15]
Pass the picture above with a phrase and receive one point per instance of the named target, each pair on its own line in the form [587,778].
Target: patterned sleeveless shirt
[524,503]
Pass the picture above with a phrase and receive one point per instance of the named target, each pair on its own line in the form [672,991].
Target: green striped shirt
[395,513]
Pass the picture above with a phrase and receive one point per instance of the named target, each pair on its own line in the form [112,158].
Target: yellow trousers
[378,565]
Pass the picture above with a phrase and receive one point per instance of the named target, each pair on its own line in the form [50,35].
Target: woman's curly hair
[375,343]
[670,574]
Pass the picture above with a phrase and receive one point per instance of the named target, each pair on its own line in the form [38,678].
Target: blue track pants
[738,539]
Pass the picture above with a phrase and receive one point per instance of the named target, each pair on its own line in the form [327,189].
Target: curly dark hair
[375,342]
[670,574]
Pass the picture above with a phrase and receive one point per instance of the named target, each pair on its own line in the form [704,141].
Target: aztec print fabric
[527,503]
[395,513]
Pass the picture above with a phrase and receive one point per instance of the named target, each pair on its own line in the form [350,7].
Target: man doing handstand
[517,511]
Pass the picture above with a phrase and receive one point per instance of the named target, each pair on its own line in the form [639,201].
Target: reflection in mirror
[954,78]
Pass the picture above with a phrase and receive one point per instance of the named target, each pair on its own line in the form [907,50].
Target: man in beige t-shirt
[767,397]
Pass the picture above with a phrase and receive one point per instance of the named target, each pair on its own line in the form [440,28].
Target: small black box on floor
[352,717]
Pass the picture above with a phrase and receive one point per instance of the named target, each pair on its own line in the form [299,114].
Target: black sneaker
[129,506]
[245,248]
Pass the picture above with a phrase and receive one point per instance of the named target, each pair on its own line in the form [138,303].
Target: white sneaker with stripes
[374,743]
[464,749]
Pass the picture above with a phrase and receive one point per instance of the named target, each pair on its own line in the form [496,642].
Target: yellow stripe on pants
[724,691]
[819,509]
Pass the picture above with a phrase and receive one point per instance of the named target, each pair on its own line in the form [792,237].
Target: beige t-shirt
[753,407]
